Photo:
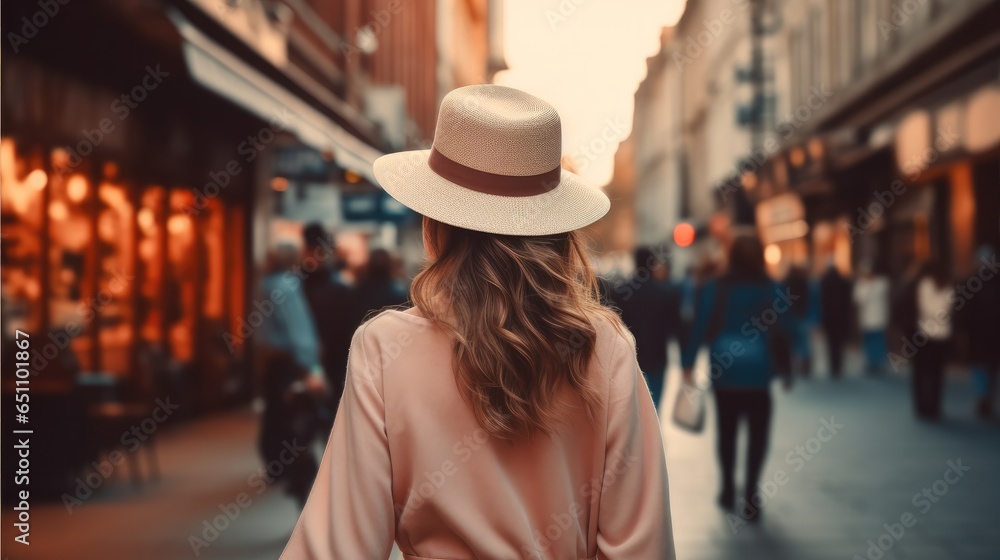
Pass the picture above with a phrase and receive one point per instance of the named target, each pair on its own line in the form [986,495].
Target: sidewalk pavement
[826,499]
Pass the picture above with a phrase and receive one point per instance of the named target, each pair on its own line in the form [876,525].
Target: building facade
[843,131]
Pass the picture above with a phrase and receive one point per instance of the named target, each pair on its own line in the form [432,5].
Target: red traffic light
[684,234]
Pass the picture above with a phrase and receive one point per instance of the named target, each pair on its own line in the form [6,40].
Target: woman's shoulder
[613,338]
[393,324]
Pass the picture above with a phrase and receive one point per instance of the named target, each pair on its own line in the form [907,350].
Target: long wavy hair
[523,313]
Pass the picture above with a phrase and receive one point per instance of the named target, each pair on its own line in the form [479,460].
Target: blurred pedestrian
[378,289]
[293,375]
[650,307]
[835,313]
[800,286]
[931,341]
[332,306]
[978,318]
[508,392]
[688,291]
[742,317]
[871,296]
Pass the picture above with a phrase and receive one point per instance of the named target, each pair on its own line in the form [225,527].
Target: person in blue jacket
[745,319]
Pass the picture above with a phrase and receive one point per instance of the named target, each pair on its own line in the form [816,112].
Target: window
[24,181]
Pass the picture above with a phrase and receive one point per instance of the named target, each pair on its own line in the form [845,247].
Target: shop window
[180,297]
[23,179]
[116,272]
[151,238]
[71,260]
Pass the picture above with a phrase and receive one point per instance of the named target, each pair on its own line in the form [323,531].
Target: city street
[864,476]
[828,507]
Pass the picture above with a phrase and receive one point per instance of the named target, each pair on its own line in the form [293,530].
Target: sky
[586,58]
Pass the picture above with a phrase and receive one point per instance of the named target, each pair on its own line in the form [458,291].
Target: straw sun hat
[494,167]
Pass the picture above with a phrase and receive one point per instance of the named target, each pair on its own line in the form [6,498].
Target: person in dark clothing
[293,376]
[378,289]
[741,317]
[332,306]
[836,295]
[798,286]
[650,308]
[978,319]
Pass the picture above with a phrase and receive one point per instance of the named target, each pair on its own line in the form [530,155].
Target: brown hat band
[492,183]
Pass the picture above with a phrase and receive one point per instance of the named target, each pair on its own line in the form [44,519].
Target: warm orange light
[178,224]
[76,188]
[816,148]
[352,177]
[60,158]
[772,254]
[58,211]
[797,157]
[110,171]
[279,184]
[684,234]
[147,221]
[748,180]
[37,180]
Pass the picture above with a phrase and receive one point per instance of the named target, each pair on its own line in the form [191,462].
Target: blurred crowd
[316,303]
[757,328]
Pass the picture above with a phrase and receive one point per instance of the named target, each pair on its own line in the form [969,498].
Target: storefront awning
[217,69]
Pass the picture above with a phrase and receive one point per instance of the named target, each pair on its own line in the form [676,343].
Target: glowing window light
[147,221]
[797,157]
[37,180]
[58,211]
[772,254]
[76,188]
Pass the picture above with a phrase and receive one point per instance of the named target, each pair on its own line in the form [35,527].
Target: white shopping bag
[689,408]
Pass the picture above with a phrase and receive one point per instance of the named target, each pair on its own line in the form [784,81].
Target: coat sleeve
[349,513]
[703,313]
[634,516]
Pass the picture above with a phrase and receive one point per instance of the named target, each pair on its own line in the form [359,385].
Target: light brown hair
[523,312]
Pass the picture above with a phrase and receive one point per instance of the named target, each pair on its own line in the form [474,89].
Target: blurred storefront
[113,250]
[138,176]
[899,165]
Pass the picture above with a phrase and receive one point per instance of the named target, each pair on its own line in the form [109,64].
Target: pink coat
[407,461]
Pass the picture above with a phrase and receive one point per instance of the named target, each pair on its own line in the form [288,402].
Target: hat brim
[571,205]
